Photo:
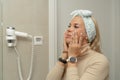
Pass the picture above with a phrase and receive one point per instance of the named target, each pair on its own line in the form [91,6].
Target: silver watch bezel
[71,57]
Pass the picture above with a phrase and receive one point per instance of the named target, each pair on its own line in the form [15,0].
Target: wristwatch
[72,59]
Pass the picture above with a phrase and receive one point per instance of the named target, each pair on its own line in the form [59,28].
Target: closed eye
[76,26]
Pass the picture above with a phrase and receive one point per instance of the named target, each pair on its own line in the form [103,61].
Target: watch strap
[62,60]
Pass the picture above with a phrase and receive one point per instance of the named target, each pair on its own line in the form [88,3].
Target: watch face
[73,59]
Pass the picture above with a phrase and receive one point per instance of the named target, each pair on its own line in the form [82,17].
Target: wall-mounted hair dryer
[11,36]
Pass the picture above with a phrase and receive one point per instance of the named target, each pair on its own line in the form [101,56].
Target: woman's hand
[75,45]
[65,48]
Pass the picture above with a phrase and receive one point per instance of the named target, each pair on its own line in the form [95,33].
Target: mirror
[32,16]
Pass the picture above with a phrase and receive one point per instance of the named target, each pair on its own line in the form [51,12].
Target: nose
[70,29]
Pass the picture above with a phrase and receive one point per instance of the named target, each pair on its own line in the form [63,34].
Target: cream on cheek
[79,32]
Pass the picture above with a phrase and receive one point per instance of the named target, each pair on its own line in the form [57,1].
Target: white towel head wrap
[89,24]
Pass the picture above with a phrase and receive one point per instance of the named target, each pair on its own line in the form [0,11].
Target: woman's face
[76,26]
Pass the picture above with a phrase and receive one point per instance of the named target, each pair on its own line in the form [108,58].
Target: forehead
[77,19]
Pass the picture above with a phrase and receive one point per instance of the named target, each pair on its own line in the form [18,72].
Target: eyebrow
[75,24]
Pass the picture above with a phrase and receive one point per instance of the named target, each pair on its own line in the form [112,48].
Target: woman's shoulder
[98,57]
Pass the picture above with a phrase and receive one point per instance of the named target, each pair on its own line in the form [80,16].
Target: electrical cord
[31,65]
[19,62]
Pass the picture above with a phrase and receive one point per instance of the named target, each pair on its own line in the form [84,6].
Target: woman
[81,58]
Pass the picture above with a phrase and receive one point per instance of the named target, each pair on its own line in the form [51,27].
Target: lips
[68,35]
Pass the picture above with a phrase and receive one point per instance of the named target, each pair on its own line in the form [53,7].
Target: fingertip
[80,39]
[81,34]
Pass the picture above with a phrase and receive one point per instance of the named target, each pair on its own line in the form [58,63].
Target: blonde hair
[95,44]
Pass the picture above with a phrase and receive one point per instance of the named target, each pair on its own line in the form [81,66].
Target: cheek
[83,35]
[79,32]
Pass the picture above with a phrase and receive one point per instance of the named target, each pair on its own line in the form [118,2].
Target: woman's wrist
[72,64]
[72,61]
[64,54]
[60,63]
[62,59]
[72,55]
